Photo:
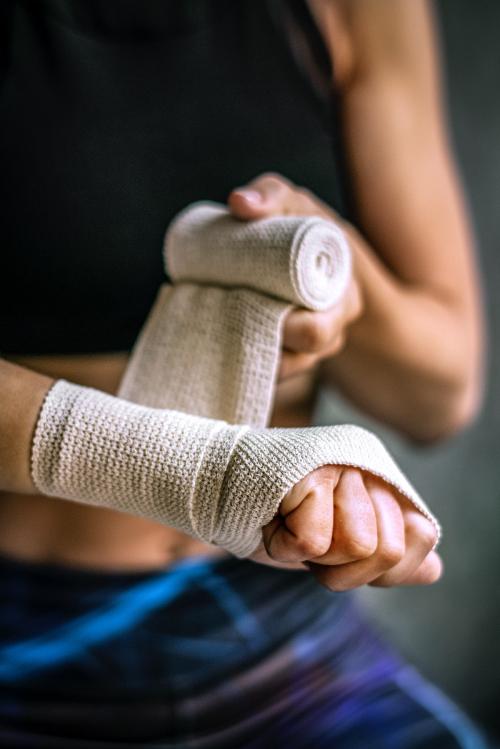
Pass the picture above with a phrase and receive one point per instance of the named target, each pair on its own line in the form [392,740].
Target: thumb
[306,531]
[265,196]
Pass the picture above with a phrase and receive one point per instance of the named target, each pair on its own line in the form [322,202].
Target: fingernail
[251,196]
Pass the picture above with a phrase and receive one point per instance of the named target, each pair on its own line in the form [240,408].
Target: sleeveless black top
[114,115]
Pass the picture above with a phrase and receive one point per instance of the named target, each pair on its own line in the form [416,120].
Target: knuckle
[304,194]
[275,179]
[356,479]
[336,583]
[429,535]
[391,553]
[359,548]
[321,478]
[313,546]
[422,529]
[436,574]
[430,577]
[314,336]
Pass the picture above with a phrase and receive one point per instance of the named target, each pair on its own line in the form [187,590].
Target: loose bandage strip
[209,351]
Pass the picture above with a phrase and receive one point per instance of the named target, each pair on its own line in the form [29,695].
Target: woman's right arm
[101,450]
[21,396]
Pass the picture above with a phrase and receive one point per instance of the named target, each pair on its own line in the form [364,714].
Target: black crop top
[114,115]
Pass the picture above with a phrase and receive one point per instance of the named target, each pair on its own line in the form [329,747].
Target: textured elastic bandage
[217,482]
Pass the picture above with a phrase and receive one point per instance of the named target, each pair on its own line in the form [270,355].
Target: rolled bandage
[212,343]
[217,482]
[301,260]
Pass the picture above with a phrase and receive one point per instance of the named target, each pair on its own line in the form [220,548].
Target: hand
[308,337]
[352,529]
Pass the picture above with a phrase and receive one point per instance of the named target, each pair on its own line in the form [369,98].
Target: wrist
[23,394]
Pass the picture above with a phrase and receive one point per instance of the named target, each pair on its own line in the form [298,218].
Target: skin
[419,370]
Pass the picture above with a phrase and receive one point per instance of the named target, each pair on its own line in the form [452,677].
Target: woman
[118,631]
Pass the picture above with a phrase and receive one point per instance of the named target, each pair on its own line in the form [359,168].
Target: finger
[305,331]
[429,571]
[273,195]
[420,537]
[327,476]
[292,364]
[390,548]
[305,529]
[260,556]
[355,532]
[353,302]
[267,195]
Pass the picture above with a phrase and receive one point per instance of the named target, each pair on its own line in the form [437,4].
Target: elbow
[461,413]
[455,410]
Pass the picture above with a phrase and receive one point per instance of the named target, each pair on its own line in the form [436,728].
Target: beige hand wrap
[213,351]
[217,482]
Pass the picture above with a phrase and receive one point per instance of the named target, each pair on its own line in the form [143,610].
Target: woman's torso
[111,122]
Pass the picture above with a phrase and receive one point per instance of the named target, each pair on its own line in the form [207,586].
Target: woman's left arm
[414,356]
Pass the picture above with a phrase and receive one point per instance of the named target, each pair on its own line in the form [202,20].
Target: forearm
[422,348]
[21,396]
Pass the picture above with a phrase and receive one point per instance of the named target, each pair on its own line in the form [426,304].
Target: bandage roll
[212,343]
[305,261]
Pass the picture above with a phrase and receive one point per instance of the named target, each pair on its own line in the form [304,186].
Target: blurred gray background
[452,630]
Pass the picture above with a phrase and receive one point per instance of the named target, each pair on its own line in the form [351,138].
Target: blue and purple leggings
[210,654]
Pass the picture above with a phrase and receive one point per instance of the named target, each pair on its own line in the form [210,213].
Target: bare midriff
[50,530]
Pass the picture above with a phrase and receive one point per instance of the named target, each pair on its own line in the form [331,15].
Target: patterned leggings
[211,653]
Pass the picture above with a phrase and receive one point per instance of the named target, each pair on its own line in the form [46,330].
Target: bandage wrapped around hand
[217,482]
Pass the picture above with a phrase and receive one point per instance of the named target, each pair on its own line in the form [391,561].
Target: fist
[308,337]
[352,529]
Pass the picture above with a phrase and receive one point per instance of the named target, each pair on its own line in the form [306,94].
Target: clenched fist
[352,529]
